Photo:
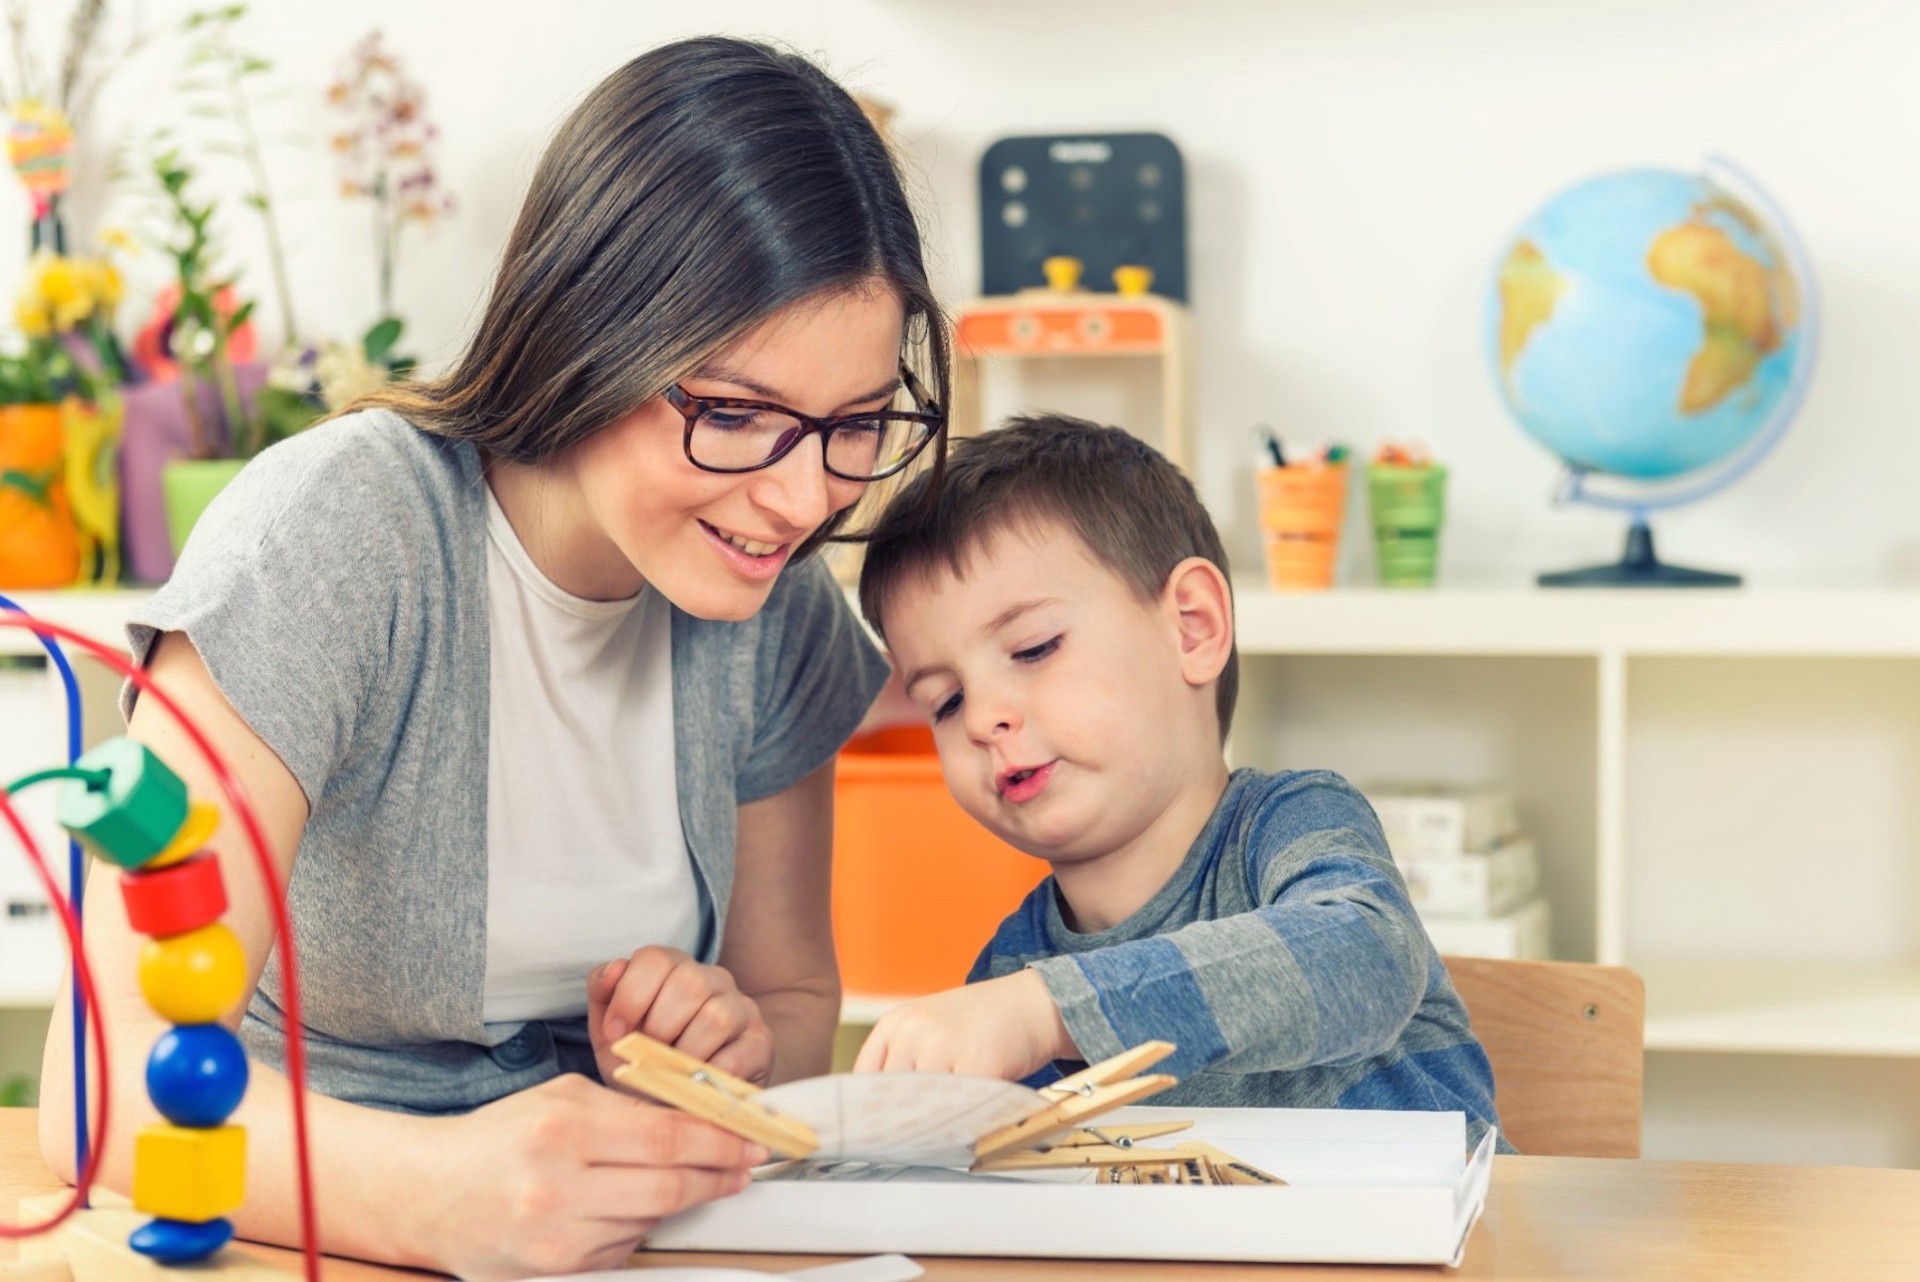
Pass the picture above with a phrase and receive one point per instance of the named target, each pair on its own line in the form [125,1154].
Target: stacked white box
[1471,872]
[32,721]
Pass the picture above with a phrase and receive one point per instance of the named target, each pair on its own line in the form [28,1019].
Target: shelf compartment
[1782,1007]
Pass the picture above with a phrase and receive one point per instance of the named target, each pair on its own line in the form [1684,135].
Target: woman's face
[714,543]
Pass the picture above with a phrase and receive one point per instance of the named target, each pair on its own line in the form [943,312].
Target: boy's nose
[990,721]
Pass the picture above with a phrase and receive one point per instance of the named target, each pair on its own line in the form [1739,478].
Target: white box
[1474,886]
[1364,1187]
[1443,819]
[1522,935]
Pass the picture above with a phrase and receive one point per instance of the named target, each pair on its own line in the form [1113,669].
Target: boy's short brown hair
[1134,511]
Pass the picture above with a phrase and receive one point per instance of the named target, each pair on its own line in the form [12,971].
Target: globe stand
[1638,567]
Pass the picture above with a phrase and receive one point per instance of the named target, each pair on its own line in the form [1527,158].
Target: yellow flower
[104,283]
[119,240]
[31,317]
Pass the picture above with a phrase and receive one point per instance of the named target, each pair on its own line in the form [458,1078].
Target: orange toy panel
[1116,330]
[918,886]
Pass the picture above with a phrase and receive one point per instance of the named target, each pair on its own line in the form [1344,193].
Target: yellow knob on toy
[194,978]
[194,834]
[1062,272]
[1133,280]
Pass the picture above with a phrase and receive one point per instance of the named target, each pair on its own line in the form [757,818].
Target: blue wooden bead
[197,1074]
[178,1242]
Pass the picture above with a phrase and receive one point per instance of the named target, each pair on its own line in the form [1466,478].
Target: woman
[537,693]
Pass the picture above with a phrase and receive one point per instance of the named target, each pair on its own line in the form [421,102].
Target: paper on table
[874,1268]
[909,1119]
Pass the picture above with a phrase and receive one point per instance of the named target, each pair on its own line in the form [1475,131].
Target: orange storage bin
[918,886]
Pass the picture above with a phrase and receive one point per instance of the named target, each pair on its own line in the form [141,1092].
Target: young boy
[1060,611]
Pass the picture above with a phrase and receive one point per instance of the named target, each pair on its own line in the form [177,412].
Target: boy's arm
[1328,969]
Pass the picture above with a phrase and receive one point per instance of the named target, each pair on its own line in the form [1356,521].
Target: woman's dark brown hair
[696,191]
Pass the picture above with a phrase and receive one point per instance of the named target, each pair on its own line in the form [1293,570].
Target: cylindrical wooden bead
[175,900]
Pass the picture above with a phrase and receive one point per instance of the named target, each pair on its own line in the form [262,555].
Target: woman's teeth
[749,547]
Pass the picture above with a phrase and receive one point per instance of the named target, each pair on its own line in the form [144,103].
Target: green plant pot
[187,486]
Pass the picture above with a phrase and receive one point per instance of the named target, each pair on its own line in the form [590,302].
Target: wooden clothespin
[695,1087]
[1094,1090]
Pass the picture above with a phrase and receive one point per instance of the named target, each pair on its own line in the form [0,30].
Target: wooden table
[1547,1218]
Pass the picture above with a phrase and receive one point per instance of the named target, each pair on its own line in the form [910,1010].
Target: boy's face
[1059,706]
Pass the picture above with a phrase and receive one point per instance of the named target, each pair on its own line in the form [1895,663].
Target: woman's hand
[563,1177]
[1005,1027]
[696,1009]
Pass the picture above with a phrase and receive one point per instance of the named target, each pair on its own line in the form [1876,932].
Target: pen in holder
[1407,497]
[1301,506]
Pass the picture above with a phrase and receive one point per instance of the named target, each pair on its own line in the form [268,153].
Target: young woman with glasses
[538,691]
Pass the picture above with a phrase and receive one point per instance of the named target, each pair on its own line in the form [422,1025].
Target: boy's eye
[947,708]
[1033,654]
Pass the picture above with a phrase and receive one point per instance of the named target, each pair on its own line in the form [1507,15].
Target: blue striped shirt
[1283,958]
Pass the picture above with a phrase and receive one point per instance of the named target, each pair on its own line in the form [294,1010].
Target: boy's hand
[1005,1027]
[672,998]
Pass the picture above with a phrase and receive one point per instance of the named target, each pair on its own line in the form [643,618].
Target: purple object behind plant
[157,432]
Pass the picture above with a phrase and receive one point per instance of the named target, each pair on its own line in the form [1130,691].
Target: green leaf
[252,66]
[35,485]
[381,338]
[240,316]
[254,200]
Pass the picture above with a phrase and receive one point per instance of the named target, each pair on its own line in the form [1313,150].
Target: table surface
[1546,1218]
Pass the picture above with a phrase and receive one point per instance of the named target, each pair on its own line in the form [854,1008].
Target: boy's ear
[1197,598]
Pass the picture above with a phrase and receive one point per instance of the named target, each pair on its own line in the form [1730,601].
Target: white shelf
[867,1008]
[1783,1008]
[26,996]
[1836,622]
[100,614]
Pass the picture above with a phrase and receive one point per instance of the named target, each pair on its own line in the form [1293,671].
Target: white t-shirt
[586,860]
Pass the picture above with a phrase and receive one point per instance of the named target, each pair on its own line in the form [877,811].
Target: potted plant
[59,420]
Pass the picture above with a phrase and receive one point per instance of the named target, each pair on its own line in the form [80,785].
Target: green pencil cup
[1408,506]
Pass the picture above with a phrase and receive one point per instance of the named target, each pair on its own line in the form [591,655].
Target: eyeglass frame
[691,407]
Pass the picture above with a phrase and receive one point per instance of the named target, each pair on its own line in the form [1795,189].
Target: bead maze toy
[122,804]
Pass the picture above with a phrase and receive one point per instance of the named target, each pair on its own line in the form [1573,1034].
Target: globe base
[1639,567]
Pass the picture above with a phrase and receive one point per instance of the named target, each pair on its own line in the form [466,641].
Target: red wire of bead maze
[276,903]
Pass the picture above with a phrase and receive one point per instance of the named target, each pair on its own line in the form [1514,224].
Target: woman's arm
[779,936]
[562,1177]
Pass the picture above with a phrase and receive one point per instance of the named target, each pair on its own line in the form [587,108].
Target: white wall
[1355,165]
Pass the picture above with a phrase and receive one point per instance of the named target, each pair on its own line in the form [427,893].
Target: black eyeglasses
[727,434]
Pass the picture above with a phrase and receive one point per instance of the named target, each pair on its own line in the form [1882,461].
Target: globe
[1655,329]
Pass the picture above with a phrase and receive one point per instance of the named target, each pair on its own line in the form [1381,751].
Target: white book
[1443,819]
[1474,886]
[1522,935]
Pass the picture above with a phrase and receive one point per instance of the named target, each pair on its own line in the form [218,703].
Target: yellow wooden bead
[194,978]
[194,834]
[185,1173]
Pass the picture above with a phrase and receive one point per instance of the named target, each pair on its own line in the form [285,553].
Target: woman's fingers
[629,1132]
[635,1197]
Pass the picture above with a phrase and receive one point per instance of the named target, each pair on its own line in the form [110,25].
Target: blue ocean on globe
[1645,324]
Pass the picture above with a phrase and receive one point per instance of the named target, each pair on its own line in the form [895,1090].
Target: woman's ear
[1201,605]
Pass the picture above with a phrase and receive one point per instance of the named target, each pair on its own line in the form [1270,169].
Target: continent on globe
[1529,291]
[1736,301]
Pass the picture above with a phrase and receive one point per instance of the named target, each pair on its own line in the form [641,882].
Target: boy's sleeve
[1328,969]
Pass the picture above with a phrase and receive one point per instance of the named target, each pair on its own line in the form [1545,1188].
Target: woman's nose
[801,492]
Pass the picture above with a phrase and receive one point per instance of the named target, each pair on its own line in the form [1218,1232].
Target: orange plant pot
[39,544]
[918,886]
[1302,507]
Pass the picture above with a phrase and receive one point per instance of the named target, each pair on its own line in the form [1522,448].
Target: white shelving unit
[1720,784]
[31,950]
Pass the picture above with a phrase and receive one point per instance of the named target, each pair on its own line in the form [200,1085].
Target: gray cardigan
[337,594]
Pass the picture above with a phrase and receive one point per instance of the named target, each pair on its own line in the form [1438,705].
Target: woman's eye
[730,420]
[1033,654]
[947,708]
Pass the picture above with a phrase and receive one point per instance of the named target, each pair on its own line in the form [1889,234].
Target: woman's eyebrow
[722,374]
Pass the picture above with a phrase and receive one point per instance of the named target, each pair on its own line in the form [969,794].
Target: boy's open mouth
[1022,783]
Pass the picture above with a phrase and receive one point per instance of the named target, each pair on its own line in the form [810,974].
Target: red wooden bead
[175,899]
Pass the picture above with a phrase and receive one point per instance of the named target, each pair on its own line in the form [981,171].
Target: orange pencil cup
[918,886]
[1301,507]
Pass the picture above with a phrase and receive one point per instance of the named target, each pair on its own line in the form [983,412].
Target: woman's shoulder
[368,484]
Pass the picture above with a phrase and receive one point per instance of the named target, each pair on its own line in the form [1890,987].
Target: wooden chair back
[1567,1042]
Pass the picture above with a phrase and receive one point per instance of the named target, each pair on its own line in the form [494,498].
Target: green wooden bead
[133,817]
